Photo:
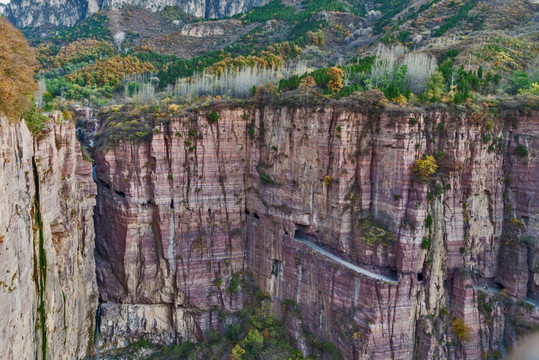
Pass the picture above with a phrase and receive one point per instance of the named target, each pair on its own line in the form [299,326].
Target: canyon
[317,206]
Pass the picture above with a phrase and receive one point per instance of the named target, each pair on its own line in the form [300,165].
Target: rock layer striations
[321,205]
[48,290]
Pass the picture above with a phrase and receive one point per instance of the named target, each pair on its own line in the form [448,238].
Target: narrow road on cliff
[496,291]
[345,263]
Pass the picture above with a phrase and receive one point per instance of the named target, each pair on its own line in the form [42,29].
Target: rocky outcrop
[48,290]
[213,28]
[67,12]
[57,12]
[322,207]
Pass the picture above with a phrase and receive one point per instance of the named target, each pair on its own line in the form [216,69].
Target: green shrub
[428,221]
[232,332]
[266,179]
[253,342]
[182,351]
[521,150]
[35,120]
[520,81]
[251,131]
[233,285]
[142,343]
[213,117]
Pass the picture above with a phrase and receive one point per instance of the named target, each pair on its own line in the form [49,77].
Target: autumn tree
[425,167]
[110,72]
[307,85]
[336,76]
[461,330]
[17,70]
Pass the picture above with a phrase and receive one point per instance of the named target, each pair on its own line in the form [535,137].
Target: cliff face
[67,12]
[173,230]
[321,205]
[47,277]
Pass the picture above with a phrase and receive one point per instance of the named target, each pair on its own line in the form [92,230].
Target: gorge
[269,180]
[317,206]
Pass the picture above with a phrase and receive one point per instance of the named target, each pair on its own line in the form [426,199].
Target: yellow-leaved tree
[336,76]
[17,70]
[425,167]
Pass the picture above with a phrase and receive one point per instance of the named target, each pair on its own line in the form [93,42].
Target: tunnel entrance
[300,232]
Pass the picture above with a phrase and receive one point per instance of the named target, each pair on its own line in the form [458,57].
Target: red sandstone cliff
[260,189]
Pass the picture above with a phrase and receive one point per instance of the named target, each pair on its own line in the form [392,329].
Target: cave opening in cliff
[257,217]
[498,286]
[300,231]
[172,203]
[247,212]
[419,277]
[120,194]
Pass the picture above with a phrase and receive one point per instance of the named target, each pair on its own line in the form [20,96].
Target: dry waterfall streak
[353,267]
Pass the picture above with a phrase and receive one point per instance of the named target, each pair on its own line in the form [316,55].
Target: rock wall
[34,13]
[322,207]
[171,219]
[48,290]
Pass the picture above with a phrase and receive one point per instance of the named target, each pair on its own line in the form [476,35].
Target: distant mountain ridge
[34,13]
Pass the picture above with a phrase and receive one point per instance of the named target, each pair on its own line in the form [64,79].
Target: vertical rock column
[48,290]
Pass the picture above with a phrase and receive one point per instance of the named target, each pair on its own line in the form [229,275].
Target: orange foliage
[336,76]
[83,50]
[17,70]
[264,60]
[110,71]
[307,82]
[461,330]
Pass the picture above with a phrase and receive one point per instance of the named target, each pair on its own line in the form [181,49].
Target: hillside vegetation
[17,71]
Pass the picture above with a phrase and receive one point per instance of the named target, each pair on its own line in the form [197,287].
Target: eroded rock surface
[179,216]
[68,12]
[48,290]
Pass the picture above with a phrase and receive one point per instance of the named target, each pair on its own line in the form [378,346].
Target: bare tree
[386,59]
[234,82]
[420,67]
